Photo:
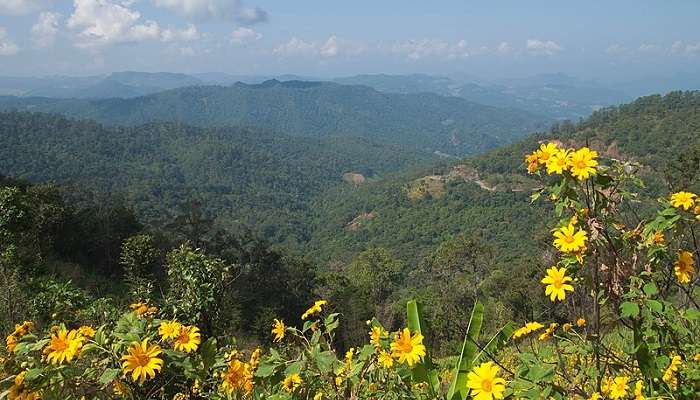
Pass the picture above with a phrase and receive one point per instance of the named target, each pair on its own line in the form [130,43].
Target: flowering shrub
[624,299]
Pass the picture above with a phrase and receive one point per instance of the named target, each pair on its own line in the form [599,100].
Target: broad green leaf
[109,375]
[458,388]
[629,310]
[425,371]
[208,353]
[650,289]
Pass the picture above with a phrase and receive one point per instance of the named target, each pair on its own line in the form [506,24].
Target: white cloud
[330,48]
[649,48]
[431,48]
[7,47]
[504,48]
[542,47]
[20,7]
[103,22]
[45,29]
[187,51]
[244,35]
[295,46]
[224,9]
[188,34]
[616,49]
[692,49]
[677,47]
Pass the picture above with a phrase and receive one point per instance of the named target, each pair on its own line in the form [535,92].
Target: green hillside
[425,121]
[243,176]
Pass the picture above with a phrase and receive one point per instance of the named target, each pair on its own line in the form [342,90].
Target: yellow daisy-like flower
[545,152]
[87,331]
[582,163]
[142,361]
[580,322]
[527,329]
[278,330]
[595,396]
[188,339]
[318,395]
[484,383]
[63,346]
[375,336]
[670,373]
[549,331]
[618,387]
[169,329]
[684,267]
[315,309]
[23,328]
[567,327]
[639,391]
[292,383]
[141,309]
[570,240]
[658,238]
[557,162]
[683,200]
[556,281]
[385,359]
[11,342]
[532,162]
[408,349]
[235,376]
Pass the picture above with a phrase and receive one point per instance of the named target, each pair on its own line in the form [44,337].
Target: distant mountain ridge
[313,109]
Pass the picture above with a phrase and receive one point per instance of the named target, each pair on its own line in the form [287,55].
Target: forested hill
[426,121]
[487,196]
[244,176]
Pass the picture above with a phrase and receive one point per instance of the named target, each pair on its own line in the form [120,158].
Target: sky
[592,39]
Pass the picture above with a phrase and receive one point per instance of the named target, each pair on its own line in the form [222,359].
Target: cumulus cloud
[542,47]
[188,34]
[504,48]
[100,23]
[7,47]
[20,7]
[221,9]
[295,46]
[692,49]
[331,47]
[244,35]
[45,29]
[103,22]
[649,48]
[431,48]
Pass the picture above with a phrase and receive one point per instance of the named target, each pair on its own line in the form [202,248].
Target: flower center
[557,282]
[486,385]
[60,345]
[405,346]
[142,359]
[580,164]
[569,238]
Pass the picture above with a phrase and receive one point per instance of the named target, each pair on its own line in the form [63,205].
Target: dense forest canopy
[315,109]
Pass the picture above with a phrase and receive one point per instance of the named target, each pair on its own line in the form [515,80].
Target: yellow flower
[315,309]
[683,200]
[582,163]
[169,329]
[557,162]
[235,376]
[580,322]
[549,331]
[142,361]
[618,388]
[527,329]
[532,162]
[595,396]
[188,339]
[567,327]
[658,238]
[142,309]
[291,383]
[11,342]
[638,391]
[385,359]
[556,281]
[63,347]
[684,267]
[670,373]
[407,348]
[255,359]
[375,336]
[19,392]
[86,331]
[570,240]
[23,328]
[545,152]
[278,330]
[318,396]
[484,384]
[696,357]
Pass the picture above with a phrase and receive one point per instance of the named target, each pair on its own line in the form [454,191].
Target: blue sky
[492,39]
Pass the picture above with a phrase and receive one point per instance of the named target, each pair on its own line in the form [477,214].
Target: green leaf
[458,388]
[32,374]
[266,369]
[208,353]
[109,375]
[650,289]
[425,371]
[629,310]
[655,306]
